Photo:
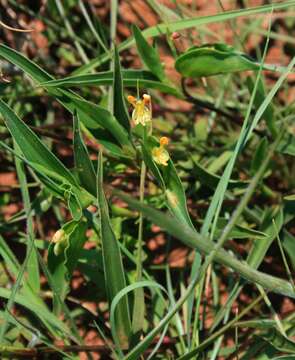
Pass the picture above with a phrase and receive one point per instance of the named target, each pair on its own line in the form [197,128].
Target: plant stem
[138,309]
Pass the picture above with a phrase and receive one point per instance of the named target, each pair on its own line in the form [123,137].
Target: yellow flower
[160,154]
[142,109]
[60,239]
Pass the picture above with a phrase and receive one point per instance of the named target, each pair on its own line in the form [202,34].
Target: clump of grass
[215,185]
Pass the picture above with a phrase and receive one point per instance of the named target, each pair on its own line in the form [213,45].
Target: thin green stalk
[33,269]
[139,308]
[29,256]
[221,331]
[14,290]
[91,26]
[114,13]
[71,32]
[195,333]
[272,310]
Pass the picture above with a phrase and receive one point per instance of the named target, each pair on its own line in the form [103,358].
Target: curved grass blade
[118,298]
[130,78]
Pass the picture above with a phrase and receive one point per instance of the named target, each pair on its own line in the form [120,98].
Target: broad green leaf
[146,154]
[131,78]
[148,54]
[77,240]
[83,164]
[113,265]
[175,194]
[119,106]
[91,265]
[215,59]
[95,117]
[74,206]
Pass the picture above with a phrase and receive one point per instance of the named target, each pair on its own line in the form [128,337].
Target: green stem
[138,309]
[71,31]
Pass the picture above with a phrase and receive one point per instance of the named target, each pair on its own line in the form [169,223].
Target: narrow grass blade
[113,266]
[148,54]
[59,329]
[31,146]
[83,164]
[268,114]
[119,106]
[121,295]
[32,268]
[130,78]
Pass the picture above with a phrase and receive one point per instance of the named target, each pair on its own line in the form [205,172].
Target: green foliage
[219,190]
